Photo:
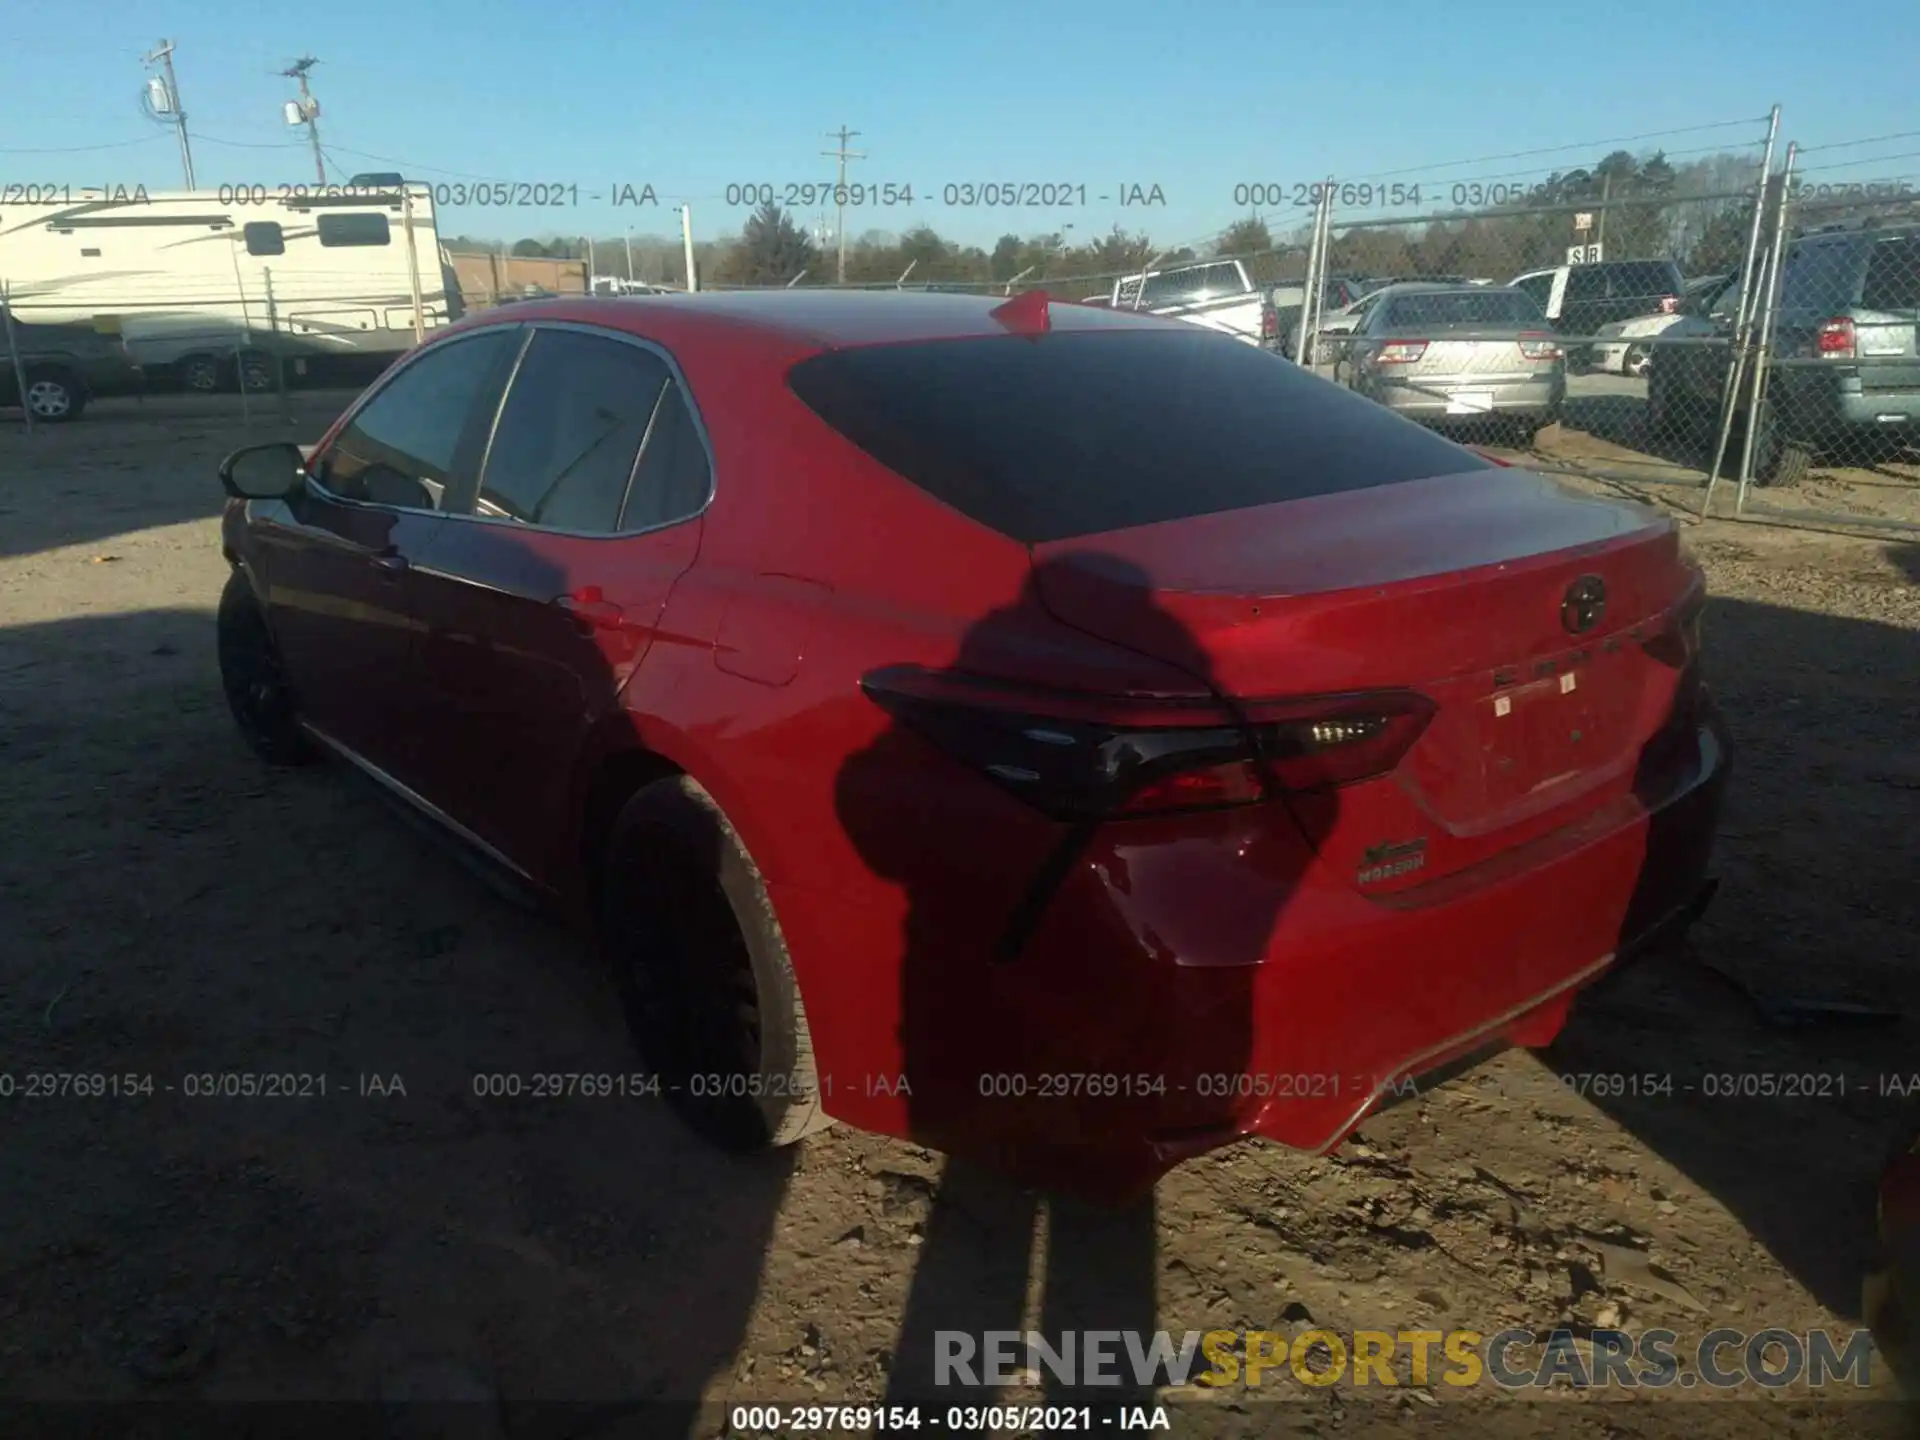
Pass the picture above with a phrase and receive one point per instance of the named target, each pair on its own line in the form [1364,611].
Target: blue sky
[1195,98]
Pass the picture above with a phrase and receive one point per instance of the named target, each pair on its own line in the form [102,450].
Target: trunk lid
[1454,586]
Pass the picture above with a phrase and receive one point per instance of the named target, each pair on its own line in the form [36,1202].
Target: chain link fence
[1834,383]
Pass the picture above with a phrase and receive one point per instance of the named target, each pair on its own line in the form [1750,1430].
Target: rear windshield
[1068,434]
[1181,287]
[1465,307]
[1644,279]
[1820,277]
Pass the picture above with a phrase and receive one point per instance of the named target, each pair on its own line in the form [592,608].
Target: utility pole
[686,240]
[306,111]
[840,194]
[163,52]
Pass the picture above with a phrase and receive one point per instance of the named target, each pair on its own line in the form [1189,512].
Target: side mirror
[272,471]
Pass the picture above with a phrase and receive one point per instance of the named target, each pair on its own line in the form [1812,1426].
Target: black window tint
[401,446]
[573,422]
[673,478]
[1586,282]
[361,229]
[1645,280]
[264,237]
[1893,276]
[1540,287]
[1464,307]
[1823,277]
[1049,437]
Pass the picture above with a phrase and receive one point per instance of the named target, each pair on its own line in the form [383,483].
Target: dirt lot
[173,910]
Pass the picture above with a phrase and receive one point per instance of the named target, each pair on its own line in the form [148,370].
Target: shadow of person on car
[1759,1068]
[1060,1050]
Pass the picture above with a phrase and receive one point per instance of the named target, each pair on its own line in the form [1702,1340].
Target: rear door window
[569,433]
[1049,437]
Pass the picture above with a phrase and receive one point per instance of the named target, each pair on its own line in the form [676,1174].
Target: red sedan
[1056,734]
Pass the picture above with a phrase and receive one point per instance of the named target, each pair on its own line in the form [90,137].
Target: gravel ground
[174,910]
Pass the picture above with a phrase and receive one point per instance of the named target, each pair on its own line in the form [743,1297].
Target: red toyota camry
[1059,735]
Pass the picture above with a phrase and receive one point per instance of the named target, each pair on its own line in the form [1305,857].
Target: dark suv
[1579,299]
[66,366]
[1845,372]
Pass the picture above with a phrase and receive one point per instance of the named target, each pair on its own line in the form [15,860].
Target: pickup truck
[1213,293]
[66,366]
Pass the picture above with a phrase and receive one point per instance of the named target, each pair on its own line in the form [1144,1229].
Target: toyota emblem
[1585,603]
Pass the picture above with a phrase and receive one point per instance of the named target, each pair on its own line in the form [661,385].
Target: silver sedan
[1451,354]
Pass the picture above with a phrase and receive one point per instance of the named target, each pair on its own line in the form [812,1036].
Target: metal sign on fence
[1590,254]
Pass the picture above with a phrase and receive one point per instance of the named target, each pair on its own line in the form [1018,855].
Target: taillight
[1269,322]
[1836,339]
[1539,347]
[1678,644]
[1400,352]
[1083,757]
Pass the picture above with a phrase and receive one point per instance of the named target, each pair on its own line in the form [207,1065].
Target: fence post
[13,350]
[1317,249]
[413,263]
[1743,316]
[1770,303]
[279,360]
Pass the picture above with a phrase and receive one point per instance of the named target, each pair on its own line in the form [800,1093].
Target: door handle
[390,562]
[591,610]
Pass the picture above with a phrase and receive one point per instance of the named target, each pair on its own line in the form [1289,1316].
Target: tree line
[1698,213]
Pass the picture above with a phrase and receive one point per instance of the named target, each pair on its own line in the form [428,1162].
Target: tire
[1522,433]
[1664,422]
[257,372]
[1636,362]
[202,374]
[703,972]
[53,397]
[255,685]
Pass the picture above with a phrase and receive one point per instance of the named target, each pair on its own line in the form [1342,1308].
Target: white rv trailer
[211,286]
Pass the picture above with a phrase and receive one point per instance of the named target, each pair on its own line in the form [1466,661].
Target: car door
[337,557]
[546,592]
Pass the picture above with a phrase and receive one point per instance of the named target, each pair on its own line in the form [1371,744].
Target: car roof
[831,319]
[1437,287]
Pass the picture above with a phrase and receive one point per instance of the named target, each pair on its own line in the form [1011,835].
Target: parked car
[1581,300]
[66,366]
[923,698]
[1216,294]
[1460,353]
[1845,377]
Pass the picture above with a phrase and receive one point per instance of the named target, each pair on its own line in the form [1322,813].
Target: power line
[1587,145]
[75,149]
[1850,144]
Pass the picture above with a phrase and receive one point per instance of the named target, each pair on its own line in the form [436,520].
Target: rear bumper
[1441,398]
[1182,995]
